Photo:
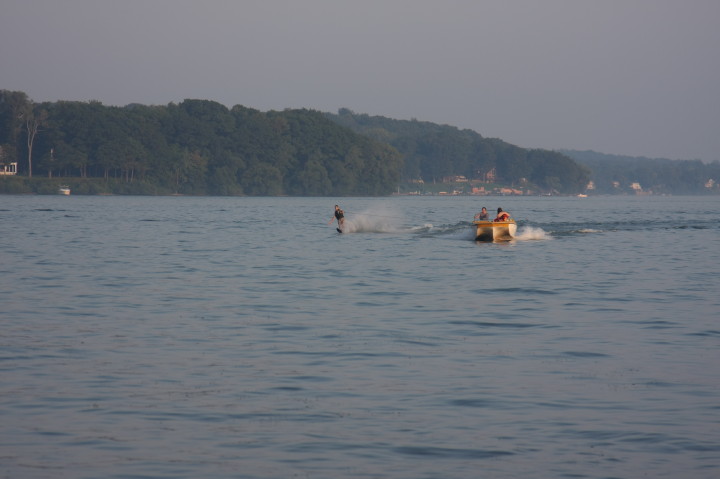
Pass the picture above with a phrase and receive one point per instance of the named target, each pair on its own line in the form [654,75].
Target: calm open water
[179,337]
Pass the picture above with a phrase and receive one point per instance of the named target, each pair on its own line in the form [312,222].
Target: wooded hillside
[432,152]
[195,147]
[201,147]
[615,174]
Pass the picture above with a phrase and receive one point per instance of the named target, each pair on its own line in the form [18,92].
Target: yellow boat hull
[495,230]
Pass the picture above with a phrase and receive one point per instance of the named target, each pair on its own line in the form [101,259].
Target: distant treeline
[612,174]
[196,147]
[432,152]
[201,147]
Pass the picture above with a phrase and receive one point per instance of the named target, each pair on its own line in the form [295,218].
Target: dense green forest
[194,147]
[613,174]
[432,152]
[201,147]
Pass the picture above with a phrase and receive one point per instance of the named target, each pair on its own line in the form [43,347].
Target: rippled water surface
[244,337]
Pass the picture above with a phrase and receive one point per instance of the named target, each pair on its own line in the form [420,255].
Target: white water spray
[531,233]
[377,220]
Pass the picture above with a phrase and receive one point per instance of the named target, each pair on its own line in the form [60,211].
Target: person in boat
[502,215]
[483,215]
[339,216]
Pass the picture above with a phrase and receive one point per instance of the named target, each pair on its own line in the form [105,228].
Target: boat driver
[483,215]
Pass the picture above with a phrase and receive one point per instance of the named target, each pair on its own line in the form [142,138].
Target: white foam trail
[531,233]
[366,224]
[378,220]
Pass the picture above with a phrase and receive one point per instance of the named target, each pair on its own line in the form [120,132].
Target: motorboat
[64,190]
[486,230]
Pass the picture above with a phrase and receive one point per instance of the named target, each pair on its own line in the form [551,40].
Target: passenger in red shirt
[502,215]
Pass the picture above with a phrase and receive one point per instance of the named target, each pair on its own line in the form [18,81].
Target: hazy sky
[634,77]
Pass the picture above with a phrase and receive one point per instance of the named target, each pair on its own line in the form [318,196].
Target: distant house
[8,169]
[509,191]
[488,176]
[638,189]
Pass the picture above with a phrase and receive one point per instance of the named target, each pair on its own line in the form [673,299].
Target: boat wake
[528,233]
[387,221]
[375,221]
[360,224]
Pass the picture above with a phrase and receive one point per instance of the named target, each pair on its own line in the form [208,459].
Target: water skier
[340,217]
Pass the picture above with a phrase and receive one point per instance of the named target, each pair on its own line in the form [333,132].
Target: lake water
[179,337]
